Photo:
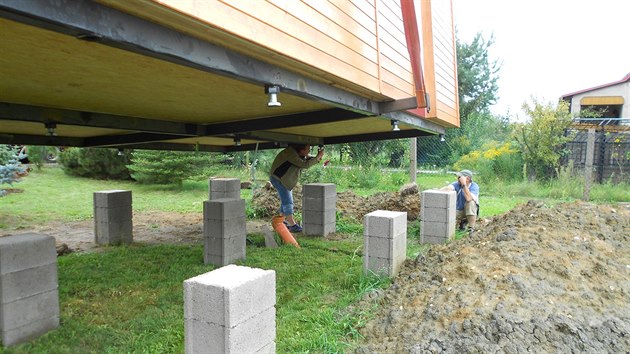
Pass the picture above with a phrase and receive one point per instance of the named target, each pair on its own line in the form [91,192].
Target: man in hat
[467,203]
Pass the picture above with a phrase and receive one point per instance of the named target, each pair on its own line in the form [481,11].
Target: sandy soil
[536,279]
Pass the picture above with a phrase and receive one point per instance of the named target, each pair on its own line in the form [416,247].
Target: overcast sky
[549,48]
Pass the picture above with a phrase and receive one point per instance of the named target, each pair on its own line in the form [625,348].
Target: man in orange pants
[285,173]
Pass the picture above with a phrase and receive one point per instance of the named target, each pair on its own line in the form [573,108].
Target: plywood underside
[53,77]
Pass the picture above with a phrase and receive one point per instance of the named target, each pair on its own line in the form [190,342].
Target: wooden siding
[445,63]
[301,31]
[396,76]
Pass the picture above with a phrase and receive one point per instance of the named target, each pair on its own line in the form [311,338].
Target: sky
[548,48]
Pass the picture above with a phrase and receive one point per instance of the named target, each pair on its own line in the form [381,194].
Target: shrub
[169,167]
[98,163]
[38,155]
[493,162]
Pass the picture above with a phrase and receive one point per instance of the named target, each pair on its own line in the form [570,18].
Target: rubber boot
[277,222]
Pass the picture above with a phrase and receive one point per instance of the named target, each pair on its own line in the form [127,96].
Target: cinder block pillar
[113,217]
[220,188]
[437,216]
[29,298]
[319,208]
[385,242]
[230,310]
[224,231]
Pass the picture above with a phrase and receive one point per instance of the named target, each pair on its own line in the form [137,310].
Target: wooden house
[224,75]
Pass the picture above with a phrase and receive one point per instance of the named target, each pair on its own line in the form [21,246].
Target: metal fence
[611,149]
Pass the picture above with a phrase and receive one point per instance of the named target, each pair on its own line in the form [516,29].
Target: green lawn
[130,298]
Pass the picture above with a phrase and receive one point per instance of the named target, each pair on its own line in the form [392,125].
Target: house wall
[622,89]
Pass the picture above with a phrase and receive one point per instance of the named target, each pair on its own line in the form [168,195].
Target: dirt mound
[266,203]
[536,279]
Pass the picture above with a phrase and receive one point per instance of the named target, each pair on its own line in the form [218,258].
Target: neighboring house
[611,130]
[611,100]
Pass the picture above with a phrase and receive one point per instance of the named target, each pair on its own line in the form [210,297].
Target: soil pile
[536,279]
[266,203]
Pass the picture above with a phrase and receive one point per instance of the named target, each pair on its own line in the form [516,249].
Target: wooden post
[413,163]
[588,164]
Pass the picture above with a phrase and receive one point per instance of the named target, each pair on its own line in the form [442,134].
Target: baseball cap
[466,173]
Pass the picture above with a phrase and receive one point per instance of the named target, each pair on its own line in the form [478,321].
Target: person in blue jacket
[467,204]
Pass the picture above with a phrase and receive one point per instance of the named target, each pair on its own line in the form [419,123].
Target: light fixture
[272,91]
[237,140]
[442,138]
[50,128]
[395,126]
[120,152]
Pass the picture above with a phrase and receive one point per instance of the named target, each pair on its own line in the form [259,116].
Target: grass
[130,298]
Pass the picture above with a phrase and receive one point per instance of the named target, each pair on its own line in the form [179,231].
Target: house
[610,100]
[224,75]
[610,130]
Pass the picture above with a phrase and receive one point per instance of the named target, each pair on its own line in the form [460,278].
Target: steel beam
[37,114]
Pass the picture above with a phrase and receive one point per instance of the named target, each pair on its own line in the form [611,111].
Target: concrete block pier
[29,296]
[385,242]
[230,310]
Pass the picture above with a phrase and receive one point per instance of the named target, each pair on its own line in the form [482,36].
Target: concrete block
[223,259]
[223,208]
[25,251]
[268,349]
[112,198]
[233,227]
[251,336]
[113,231]
[437,214]
[319,190]
[29,331]
[382,247]
[438,199]
[384,223]
[113,214]
[319,204]
[219,188]
[382,266]
[229,295]
[320,229]
[318,217]
[30,309]
[218,246]
[436,240]
[226,195]
[28,282]
[440,229]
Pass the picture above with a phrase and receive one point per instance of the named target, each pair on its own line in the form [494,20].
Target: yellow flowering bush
[493,161]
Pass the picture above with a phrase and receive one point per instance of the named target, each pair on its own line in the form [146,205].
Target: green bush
[169,167]
[38,155]
[98,163]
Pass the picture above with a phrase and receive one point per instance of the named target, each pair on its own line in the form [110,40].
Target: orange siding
[275,28]
[396,75]
[444,63]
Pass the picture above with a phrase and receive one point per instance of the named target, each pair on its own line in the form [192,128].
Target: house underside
[83,74]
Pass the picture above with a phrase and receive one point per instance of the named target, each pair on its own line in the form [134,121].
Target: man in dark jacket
[285,173]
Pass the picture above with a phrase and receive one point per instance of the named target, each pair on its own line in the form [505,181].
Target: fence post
[602,156]
[588,164]
[413,157]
